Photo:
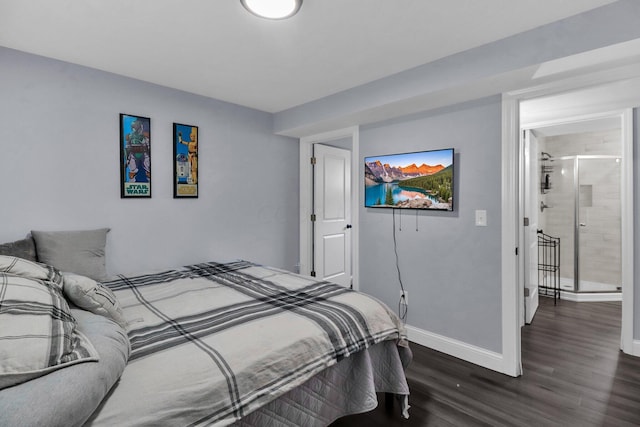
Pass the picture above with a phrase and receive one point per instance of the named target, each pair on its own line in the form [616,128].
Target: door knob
[582,224]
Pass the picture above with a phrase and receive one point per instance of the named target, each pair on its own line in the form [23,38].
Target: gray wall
[59,169]
[450,268]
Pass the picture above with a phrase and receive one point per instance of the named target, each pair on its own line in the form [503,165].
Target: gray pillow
[24,248]
[80,251]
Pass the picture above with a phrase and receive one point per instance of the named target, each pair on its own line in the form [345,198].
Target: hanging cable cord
[403,308]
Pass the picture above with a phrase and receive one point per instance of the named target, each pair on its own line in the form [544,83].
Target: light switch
[481,218]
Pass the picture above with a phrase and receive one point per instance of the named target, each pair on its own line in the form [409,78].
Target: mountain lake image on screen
[419,180]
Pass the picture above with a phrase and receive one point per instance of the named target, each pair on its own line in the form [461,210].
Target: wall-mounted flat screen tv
[420,180]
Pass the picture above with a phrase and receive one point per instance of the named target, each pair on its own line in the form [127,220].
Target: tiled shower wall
[600,239]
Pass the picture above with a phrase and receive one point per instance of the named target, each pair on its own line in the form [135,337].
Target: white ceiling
[217,49]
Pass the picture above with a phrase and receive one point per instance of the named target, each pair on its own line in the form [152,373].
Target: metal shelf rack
[549,265]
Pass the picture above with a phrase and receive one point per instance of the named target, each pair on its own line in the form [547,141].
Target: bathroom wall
[600,238]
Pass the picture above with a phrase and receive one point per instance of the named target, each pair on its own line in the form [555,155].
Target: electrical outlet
[404,297]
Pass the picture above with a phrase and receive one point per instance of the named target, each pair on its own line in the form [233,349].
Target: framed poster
[185,161]
[135,156]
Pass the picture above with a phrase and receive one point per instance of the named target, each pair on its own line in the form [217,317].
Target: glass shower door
[598,227]
[558,215]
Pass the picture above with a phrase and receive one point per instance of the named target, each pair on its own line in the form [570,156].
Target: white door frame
[511,293]
[530,210]
[306,197]
[511,285]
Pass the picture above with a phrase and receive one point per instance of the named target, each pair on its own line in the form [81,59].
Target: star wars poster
[185,161]
[135,156]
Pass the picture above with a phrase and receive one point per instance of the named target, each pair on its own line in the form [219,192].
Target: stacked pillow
[78,251]
[80,255]
[39,333]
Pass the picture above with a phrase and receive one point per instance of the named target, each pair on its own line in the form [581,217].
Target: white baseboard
[591,296]
[461,350]
[636,348]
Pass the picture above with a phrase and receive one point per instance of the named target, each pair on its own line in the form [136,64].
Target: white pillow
[93,296]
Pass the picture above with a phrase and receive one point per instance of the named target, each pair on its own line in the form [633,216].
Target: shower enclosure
[581,205]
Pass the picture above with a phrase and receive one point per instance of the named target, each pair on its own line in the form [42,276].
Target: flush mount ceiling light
[272,9]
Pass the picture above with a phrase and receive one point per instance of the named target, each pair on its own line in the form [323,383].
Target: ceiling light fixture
[272,9]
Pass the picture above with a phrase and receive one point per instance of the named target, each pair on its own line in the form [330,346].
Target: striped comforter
[213,342]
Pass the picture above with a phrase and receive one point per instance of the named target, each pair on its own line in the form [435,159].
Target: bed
[215,343]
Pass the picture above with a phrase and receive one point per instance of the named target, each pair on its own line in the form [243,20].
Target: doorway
[321,234]
[589,99]
[578,203]
[612,96]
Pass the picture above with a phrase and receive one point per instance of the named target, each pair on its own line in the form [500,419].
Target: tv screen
[420,180]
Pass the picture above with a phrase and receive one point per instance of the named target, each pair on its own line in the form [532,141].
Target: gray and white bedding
[215,343]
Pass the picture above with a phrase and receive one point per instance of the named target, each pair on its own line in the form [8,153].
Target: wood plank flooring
[574,375]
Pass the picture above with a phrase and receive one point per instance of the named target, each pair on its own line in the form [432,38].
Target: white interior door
[332,210]
[531,198]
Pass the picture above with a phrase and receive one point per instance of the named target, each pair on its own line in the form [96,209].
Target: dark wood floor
[574,375]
